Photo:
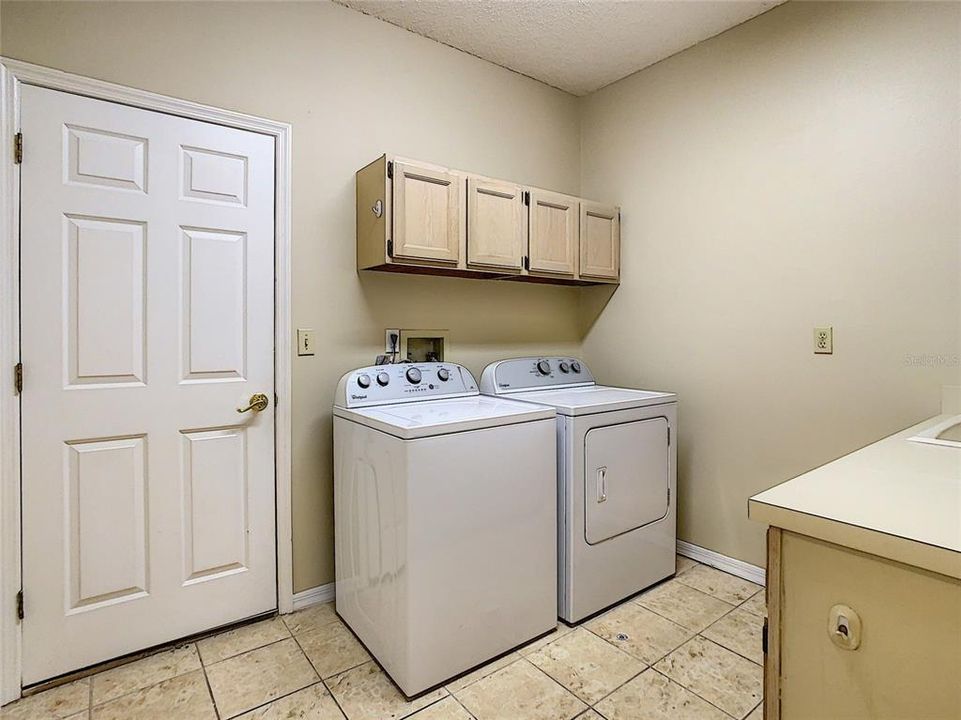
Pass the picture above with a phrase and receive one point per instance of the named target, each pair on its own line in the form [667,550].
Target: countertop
[895,498]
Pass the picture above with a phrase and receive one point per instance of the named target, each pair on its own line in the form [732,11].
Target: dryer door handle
[601,484]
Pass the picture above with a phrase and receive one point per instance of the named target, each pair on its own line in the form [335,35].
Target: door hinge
[527,197]
[18,148]
[390,248]
[18,377]
[764,637]
[20,605]
[527,262]
[669,497]
[390,170]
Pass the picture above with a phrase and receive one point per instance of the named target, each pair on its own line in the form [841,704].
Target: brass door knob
[258,402]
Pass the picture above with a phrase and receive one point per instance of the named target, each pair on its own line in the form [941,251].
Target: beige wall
[801,169]
[353,87]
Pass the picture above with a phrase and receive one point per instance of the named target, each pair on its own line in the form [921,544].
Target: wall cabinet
[417,217]
[553,234]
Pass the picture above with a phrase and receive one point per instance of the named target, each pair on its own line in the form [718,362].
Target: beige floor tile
[683,604]
[739,631]
[589,715]
[519,691]
[684,564]
[482,672]
[720,676]
[332,648]
[366,693]
[719,584]
[652,696]
[586,665]
[560,631]
[184,697]
[446,709]
[240,640]
[58,702]
[757,713]
[311,618]
[82,715]
[640,632]
[258,676]
[311,703]
[145,672]
[756,604]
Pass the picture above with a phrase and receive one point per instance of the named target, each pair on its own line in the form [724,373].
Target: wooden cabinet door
[496,226]
[427,213]
[600,240]
[553,233]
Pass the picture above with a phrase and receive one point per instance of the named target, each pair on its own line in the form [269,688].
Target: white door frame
[14,74]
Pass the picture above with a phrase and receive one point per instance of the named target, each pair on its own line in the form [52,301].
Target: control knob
[544,367]
[363,380]
[413,376]
[443,374]
[576,366]
[383,378]
[565,368]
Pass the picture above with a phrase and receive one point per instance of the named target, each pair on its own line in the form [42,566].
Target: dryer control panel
[404,382]
[534,373]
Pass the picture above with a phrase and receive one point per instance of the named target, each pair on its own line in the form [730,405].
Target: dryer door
[626,477]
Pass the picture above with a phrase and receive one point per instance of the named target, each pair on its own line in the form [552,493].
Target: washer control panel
[534,373]
[404,382]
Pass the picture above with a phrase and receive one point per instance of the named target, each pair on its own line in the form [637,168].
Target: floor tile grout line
[545,674]
[729,649]
[210,690]
[268,702]
[659,657]
[668,677]
[334,697]
[232,657]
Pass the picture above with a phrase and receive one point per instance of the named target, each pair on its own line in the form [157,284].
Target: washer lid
[441,417]
[595,399]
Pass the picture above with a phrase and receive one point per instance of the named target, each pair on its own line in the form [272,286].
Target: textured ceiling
[575,45]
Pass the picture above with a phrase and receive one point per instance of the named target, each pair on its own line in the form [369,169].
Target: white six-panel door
[147,320]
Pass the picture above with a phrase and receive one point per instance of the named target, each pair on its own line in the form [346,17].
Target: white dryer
[445,520]
[616,479]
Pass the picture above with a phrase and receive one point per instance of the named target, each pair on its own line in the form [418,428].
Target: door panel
[553,232]
[427,213]
[496,224]
[147,320]
[600,240]
[626,477]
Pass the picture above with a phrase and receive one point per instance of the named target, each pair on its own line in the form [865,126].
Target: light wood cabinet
[496,225]
[415,217]
[427,213]
[553,233]
[600,241]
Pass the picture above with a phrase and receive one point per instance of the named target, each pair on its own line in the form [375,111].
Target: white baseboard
[314,596]
[730,565]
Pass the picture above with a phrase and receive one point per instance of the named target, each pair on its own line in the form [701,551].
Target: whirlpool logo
[357,397]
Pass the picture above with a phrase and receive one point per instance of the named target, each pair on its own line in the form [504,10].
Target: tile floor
[688,649]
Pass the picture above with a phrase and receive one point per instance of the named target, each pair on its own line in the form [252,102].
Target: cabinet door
[496,227]
[427,213]
[600,240]
[553,233]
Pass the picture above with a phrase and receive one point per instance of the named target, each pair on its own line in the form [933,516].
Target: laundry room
[483,359]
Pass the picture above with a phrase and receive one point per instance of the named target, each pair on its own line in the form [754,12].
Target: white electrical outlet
[823,340]
[387,333]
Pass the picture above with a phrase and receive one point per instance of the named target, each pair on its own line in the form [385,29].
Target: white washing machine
[616,479]
[445,520]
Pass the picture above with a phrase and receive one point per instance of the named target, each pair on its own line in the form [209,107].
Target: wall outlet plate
[823,340]
[387,333]
[306,341]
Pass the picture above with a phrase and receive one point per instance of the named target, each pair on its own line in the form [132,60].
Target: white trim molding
[730,565]
[13,74]
[314,596]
